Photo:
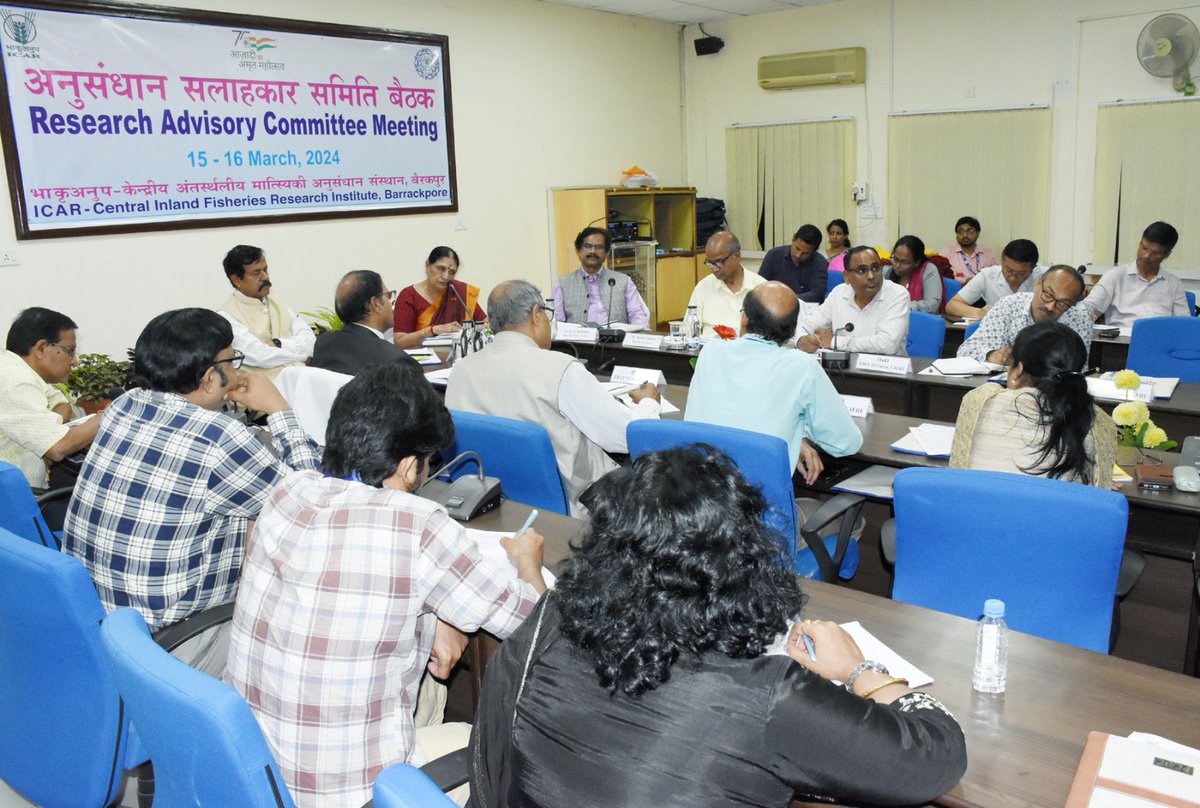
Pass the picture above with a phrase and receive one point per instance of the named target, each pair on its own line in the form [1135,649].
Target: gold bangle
[895,680]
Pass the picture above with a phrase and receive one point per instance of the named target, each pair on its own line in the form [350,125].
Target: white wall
[544,95]
[925,55]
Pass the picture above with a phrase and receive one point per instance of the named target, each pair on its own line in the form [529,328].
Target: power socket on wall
[9,257]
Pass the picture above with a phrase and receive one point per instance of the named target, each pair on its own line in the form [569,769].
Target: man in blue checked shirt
[172,484]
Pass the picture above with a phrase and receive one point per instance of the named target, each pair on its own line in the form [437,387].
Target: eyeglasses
[901,262]
[1060,304]
[391,296]
[600,248]
[69,350]
[234,361]
[862,272]
[719,262]
[966,231]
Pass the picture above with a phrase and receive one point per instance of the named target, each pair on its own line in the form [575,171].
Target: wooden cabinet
[665,217]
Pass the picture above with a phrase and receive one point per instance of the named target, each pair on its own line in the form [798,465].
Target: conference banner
[145,118]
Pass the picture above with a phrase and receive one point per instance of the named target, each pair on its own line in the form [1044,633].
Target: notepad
[1138,772]
[873,481]
[932,440]
[488,542]
[872,648]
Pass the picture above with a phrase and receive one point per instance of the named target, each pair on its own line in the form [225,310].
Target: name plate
[651,341]
[574,332]
[639,376]
[1107,390]
[900,365]
[858,406]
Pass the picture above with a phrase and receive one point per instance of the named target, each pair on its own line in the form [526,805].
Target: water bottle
[691,326]
[991,649]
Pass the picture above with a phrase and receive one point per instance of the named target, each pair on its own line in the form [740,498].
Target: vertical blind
[781,176]
[1147,169]
[993,165]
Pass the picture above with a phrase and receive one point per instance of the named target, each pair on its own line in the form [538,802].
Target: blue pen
[528,522]
[808,643]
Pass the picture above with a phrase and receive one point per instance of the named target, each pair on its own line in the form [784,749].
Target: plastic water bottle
[991,649]
[691,326]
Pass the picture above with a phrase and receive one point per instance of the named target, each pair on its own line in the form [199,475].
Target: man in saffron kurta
[267,332]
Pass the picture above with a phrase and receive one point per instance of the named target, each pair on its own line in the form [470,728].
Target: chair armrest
[176,634]
[887,541]
[1132,564]
[847,507]
[831,509]
[450,770]
[53,495]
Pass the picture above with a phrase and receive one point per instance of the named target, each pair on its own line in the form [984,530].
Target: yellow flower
[1126,414]
[1127,379]
[1143,412]
[1154,436]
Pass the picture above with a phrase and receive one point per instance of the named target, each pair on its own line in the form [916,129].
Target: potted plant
[95,377]
[324,319]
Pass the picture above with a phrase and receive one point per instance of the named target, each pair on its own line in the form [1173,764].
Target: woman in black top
[642,679]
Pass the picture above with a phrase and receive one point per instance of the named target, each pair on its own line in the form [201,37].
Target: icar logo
[19,27]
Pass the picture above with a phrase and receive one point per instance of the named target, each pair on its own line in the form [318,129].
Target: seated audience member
[1016,272]
[364,305]
[266,332]
[966,257]
[1055,296]
[435,305]
[718,298]
[641,678]
[164,500]
[39,352]
[1045,423]
[839,241]
[584,296]
[518,376]
[865,314]
[756,383]
[1141,288]
[920,277]
[344,588]
[799,265]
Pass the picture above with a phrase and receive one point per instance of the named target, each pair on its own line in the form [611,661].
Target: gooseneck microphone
[608,333]
[833,359]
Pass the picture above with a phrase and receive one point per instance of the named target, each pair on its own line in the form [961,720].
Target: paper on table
[935,439]
[439,377]
[424,356]
[874,481]
[1164,386]
[1120,475]
[664,407]
[628,328]
[963,366]
[1129,762]
[440,339]
[1107,390]
[617,388]
[488,542]
[872,648]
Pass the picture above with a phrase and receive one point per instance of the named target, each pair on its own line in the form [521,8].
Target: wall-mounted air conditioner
[842,66]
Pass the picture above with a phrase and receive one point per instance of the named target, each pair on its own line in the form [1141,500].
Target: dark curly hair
[677,559]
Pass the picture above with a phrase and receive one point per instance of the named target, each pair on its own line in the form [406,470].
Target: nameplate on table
[635,377]
[652,342]
[858,406]
[1107,390]
[900,365]
[574,332]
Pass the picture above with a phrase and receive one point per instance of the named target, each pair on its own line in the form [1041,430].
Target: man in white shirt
[518,376]
[718,298]
[1142,288]
[268,333]
[865,314]
[1016,272]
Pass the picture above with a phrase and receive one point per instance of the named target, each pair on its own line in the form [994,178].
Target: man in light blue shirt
[756,383]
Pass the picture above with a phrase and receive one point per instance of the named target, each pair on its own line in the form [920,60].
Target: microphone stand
[832,359]
[608,333]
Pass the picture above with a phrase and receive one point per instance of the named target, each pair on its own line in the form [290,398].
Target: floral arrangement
[1134,427]
[724,332]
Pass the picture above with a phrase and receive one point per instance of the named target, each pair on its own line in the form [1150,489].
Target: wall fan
[1167,47]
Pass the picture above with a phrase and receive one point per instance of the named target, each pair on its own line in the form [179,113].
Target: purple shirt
[597,310]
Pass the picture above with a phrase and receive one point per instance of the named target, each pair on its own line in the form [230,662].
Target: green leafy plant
[324,319]
[95,376]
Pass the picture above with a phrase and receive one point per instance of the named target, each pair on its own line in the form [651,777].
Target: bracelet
[895,680]
[865,665]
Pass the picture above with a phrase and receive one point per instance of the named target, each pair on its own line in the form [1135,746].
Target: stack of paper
[933,440]
[424,356]
[439,377]
[1141,770]
[964,366]
[444,340]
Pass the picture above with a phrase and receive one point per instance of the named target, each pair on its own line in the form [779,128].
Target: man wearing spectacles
[364,304]
[595,294]
[718,298]
[967,258]
[1017,272]
[799,265]
[866,314]
[165,499]
[1141,288]
[269,333]
[39,353]
[1055,296]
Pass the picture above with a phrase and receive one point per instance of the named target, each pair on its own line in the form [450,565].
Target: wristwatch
[278,344]
[865,665]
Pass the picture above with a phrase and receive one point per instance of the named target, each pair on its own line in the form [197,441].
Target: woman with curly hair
[644,679]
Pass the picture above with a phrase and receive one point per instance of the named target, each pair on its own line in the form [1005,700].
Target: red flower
[724,331]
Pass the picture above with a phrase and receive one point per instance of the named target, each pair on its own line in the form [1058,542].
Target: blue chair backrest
[971,329]
[1166,346]
[1051,554]
[926,334]
[64,738]
[951,286]
[402,786]
[518,452]
[205,743]
[834,277]
[1191,299]
[19,512]
[762,459]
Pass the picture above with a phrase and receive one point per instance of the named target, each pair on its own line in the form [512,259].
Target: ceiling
[684,12]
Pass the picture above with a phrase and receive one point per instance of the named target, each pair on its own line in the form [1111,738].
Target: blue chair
[206,745]
[402,786]
[19,509]
[926,334]
[518,452]
[834,276]
[971,329]
[1052,553]
[1166,346]
[951,286]
[763,460]
[1191,299]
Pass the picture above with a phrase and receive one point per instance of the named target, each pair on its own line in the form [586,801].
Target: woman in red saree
[429,308]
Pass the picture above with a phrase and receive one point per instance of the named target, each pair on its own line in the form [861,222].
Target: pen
[529,523]
[812,653]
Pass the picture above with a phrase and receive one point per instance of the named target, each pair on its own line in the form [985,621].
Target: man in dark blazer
[364,304]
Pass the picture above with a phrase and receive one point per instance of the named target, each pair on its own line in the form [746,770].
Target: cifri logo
[427,63]
[19,27]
